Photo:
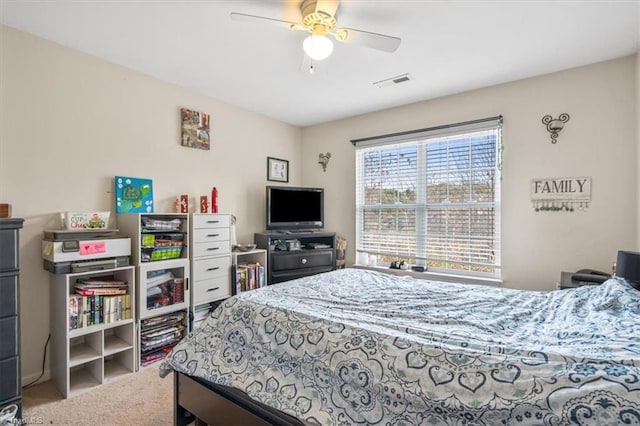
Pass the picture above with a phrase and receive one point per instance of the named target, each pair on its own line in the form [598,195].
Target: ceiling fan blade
[367,39]
[262,20]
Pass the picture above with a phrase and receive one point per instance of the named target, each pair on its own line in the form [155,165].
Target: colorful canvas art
[133,195]
[195,129]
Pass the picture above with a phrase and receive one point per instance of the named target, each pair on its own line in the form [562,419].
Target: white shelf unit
[161,255]
[210,262]
[251,256]
[86,357]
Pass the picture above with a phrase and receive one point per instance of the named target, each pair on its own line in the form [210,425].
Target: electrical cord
[44,359]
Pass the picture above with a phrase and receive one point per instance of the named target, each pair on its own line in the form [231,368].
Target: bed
[362,347]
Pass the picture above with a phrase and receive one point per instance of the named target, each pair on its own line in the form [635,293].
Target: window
[431,197]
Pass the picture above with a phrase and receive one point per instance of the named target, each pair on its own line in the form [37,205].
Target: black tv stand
[317,253]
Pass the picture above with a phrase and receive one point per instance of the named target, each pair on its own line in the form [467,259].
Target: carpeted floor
[141,398]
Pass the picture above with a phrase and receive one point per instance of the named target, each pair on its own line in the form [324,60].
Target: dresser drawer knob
[213,269]
[213,235]
[213,248]
[304,261]
[213,289]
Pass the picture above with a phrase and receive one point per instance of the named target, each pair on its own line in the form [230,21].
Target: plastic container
[161,253]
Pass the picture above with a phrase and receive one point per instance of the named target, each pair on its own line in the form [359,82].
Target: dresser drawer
[220,248]
[10,373]
[211,221]
[304,259]
[9,335]
[204,269]
[8,295]
[9,252]
[212,289]
[209,235]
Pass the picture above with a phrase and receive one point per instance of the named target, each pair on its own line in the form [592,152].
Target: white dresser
[210,254]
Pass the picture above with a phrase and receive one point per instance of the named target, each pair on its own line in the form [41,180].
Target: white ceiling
[447,47]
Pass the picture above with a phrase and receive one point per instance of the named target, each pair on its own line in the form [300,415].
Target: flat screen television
[294,208]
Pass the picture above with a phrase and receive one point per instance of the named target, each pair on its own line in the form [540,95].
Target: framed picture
[277,170]
[133,195]
[195,129]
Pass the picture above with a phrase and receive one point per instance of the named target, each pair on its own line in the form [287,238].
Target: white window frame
[421,138]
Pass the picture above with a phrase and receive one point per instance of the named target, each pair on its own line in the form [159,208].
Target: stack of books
[98,300]
[249,276]
[158,335]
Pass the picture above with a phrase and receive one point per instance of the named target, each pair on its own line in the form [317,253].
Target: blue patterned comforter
[362,347]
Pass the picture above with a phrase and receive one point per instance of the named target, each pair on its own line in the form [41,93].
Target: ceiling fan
[319,19]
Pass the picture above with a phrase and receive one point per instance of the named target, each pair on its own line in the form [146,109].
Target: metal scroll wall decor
[555,125]
[323,159]
[561,194]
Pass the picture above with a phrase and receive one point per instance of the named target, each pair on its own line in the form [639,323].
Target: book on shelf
[261,279]
[97,310]
[249,276]
[116,308]
[93,286]
[75,312]
[100,291]
[85,311]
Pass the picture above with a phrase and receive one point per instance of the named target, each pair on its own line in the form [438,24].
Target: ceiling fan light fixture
[317,47]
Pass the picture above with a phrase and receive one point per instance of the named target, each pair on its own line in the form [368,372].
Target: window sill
[435,276]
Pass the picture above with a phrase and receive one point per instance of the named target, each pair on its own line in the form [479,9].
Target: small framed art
[277,170]
[195,129]
[133,195]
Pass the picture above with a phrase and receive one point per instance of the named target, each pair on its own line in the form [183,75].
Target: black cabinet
[10,384]
[294,254]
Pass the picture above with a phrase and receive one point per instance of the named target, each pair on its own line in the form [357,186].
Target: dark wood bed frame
[196,400]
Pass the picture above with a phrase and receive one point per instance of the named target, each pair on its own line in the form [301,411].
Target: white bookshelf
[89,356]
[251,256]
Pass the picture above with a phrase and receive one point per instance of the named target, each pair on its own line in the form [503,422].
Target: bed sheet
[362,347]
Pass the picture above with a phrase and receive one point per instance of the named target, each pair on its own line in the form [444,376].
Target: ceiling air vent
[394,80]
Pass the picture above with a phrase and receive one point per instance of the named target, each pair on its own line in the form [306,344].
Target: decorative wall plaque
[561,194]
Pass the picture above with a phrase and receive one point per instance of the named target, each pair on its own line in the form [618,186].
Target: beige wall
[600,141]
[71,122]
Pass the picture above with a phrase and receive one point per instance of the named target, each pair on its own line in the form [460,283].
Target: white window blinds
[431,197]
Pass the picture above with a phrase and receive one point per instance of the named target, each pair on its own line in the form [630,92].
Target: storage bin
[161,253]
[148,240]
